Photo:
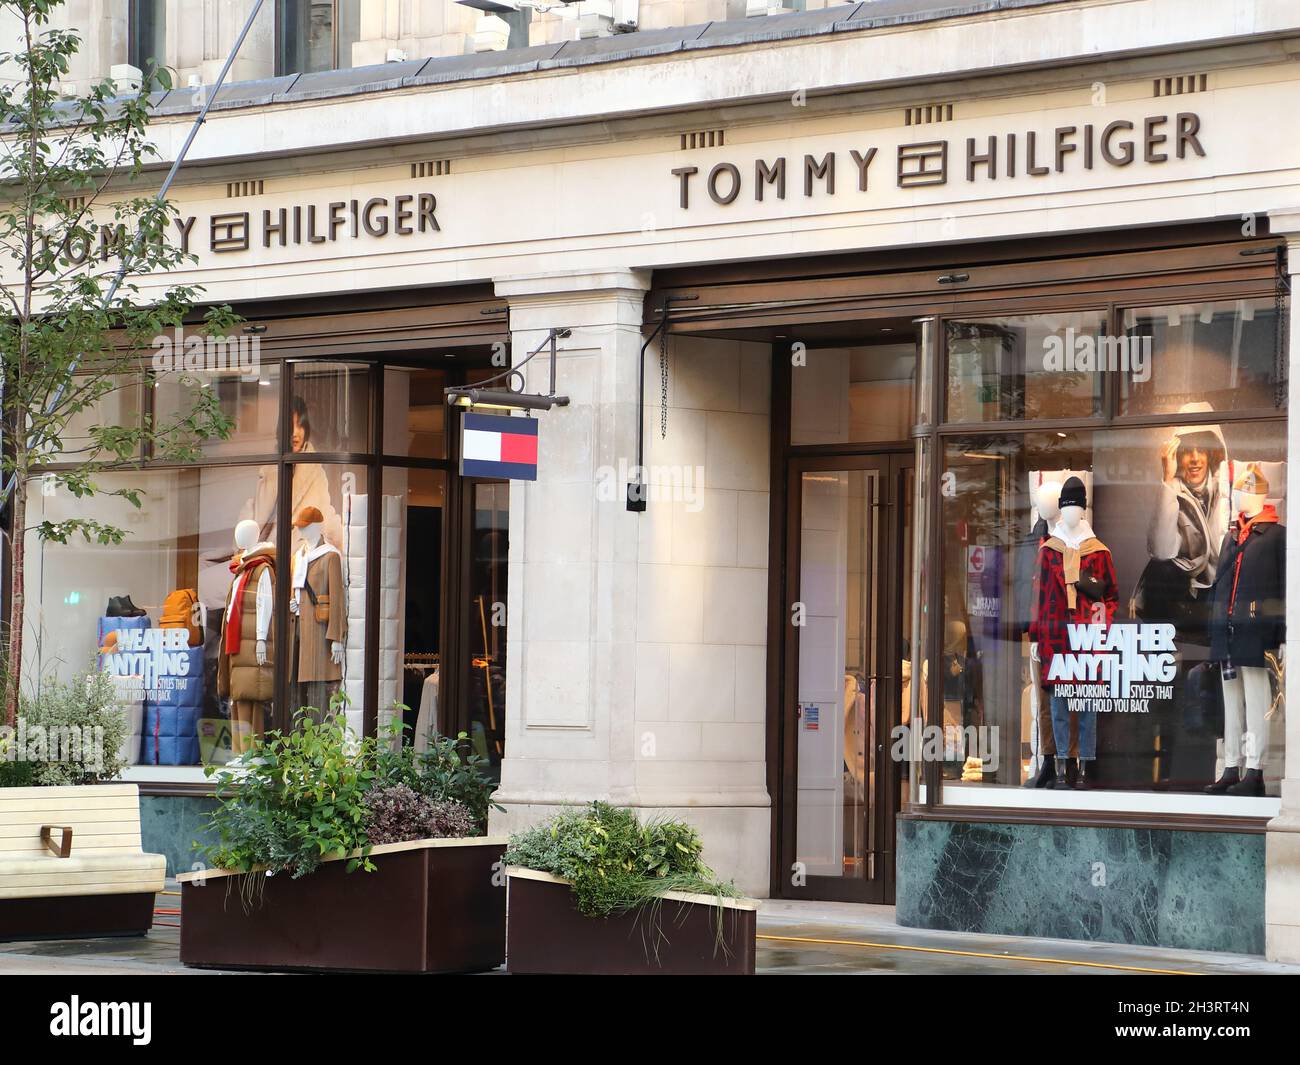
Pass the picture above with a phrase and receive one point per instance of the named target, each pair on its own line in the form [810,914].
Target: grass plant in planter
[598,891]
[336,854]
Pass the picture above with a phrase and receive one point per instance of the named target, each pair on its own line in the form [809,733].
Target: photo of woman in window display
[310,486]
[1188,525]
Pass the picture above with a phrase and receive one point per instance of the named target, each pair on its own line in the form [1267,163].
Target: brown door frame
[882,800]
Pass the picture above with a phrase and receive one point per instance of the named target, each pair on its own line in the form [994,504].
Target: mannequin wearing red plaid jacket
[1075,585]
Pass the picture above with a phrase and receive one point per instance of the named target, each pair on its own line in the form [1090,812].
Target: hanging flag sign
[497,445]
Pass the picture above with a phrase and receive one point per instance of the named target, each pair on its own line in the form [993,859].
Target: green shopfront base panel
[1153,887]
[170,824]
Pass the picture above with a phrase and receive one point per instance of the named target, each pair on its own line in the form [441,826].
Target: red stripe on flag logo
[515,447]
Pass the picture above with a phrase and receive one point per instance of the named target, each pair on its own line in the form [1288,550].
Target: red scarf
[235,622]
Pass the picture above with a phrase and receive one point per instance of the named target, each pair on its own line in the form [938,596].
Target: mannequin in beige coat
[319,608]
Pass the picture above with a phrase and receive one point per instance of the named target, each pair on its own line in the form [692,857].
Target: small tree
[78,234]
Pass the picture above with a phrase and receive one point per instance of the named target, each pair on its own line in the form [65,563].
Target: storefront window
[415,413]
[853,395]
[411,596]
[250,399]
[122,404]
[327,589]
[1029,366]
[330,408]
[489,551]
[1225,355]
[150,610]
[1107,604]
[207,627]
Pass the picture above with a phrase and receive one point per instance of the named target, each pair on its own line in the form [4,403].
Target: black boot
[1064,771]
[1087,774]
[1046,774]
[1250,784]
[1228,780]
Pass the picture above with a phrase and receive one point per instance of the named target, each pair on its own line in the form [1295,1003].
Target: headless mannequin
[1247,697]
[248,692]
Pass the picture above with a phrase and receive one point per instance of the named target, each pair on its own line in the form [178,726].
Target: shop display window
[1136,572]
[1227,353]
[249,398]
[150,609]
[415,413]
[329,410]
[411,582]
[853,395]
[1018,368]
[328,567]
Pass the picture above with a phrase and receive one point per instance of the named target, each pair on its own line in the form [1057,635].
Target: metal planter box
[547,934]
[430,906]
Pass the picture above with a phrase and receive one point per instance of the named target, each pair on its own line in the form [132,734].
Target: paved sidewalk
[831,938]
[794,938]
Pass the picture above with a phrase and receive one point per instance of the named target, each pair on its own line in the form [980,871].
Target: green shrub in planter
[298,797]
[448,770]
[615,862]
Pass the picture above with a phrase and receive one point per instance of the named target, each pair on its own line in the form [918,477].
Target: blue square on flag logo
[497,445]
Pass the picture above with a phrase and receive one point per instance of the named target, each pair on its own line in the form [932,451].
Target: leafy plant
[448,770]
[68,733]
[395,814]
[615,862]
[293,800]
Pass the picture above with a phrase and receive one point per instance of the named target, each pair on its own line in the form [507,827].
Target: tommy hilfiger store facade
[953,572]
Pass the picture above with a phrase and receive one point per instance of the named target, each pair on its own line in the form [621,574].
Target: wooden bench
[71,863]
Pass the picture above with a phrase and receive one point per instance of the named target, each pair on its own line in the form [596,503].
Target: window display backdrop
[1177,596]
[207,607]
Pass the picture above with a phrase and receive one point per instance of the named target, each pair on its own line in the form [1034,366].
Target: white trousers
[1246,700]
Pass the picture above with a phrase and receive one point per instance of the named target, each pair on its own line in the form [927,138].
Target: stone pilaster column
[624,656]
[1282,888]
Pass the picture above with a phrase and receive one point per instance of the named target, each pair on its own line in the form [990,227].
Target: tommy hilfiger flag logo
[497,445]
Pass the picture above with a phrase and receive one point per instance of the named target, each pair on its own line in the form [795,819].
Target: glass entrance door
[845,682]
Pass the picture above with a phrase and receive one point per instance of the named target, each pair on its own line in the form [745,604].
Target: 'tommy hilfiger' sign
[223,232]
[996,157]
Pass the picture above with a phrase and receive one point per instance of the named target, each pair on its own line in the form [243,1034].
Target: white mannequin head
[1250,504]
[1071,518]
[1251,490]
[1048,499]
[311,533]
[246,534]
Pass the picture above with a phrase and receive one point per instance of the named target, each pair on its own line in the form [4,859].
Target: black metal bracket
[637,489]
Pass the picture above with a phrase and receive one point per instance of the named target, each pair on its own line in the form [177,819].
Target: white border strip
[1128,802]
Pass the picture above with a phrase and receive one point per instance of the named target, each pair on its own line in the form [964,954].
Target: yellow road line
[975,954]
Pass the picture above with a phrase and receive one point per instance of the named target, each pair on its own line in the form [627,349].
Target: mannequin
[245,673]
[1075,585]
[319,607]
[1248,620]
